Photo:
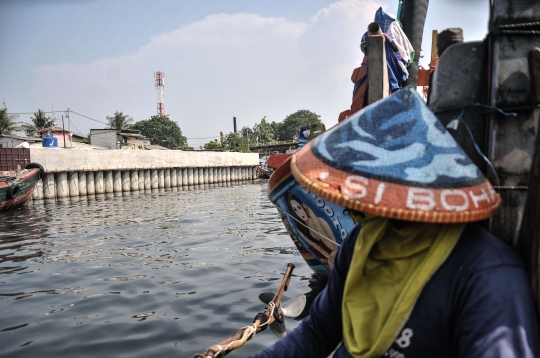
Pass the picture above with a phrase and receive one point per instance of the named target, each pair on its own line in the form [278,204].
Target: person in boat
[419,276]
[316,232]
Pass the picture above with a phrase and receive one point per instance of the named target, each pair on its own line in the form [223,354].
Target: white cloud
[225,65]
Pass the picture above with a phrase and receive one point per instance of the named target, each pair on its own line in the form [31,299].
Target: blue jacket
[478,304]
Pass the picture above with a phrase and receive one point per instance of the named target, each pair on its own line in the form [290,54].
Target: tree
[264,131]
[213,145]
[162,131]
[40,121]
[7,122]
[289,127]
[120,121]
[236,143]
[248,133]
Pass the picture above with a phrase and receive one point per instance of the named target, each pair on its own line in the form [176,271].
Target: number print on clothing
[405,339]
[394,354]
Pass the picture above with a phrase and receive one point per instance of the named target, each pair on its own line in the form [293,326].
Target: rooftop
[28,139]
[53,129]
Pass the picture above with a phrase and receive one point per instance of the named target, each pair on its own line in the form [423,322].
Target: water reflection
[168,272]
[19,234]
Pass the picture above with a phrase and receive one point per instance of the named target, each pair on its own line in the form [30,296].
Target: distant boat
[17,187]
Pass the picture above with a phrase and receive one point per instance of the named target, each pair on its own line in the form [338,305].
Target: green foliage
[120,121]
[162,131]
[213,145]
[236,143]
[264,131]
[288,129]
[239,142]
[7,122]
[40,121]
[28,129]
[249,134]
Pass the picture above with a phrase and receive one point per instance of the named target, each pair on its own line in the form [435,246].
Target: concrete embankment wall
[82,172]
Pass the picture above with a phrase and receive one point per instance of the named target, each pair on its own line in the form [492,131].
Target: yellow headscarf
[389,269]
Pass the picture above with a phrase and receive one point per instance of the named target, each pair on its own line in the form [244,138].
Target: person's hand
[331,259]
[309,211]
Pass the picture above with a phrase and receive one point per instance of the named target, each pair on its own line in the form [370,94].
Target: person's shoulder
[479,249]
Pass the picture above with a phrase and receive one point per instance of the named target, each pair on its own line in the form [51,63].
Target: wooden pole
[63,132]
[434,53]
[378,86]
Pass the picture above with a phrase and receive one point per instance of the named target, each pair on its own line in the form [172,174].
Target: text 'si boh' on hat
[395,159]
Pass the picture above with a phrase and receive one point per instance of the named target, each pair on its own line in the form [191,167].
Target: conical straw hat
[395,159]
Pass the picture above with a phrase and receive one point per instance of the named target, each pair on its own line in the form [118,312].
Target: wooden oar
[294,307]
[262,320]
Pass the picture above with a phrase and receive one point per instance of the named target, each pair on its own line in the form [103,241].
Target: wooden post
[378,86]
[434,53]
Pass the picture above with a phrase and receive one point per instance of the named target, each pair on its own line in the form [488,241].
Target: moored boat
[17,187]
[316,225]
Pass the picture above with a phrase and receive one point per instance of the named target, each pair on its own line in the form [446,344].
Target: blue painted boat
[316,226]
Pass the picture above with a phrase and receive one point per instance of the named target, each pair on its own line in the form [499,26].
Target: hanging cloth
[397,48]
[389,269]
[392,28]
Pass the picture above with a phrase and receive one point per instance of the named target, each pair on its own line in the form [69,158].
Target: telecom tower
[159,76]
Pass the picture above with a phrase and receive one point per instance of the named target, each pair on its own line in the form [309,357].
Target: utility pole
[63,131]
[69,128]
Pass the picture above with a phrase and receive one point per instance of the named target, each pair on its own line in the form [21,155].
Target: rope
[460,119]
[272,306]
[523,24]
[518,32]
[511,187]
[509,29]
[454,125]
[304,225]
[251,332]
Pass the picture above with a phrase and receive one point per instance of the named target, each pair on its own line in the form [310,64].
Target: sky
[247,59]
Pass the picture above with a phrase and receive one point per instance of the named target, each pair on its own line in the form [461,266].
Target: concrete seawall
[73,173]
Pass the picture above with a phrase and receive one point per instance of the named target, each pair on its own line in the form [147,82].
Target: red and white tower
[159,77]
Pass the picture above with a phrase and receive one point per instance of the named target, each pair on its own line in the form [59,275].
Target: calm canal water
[161,274]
